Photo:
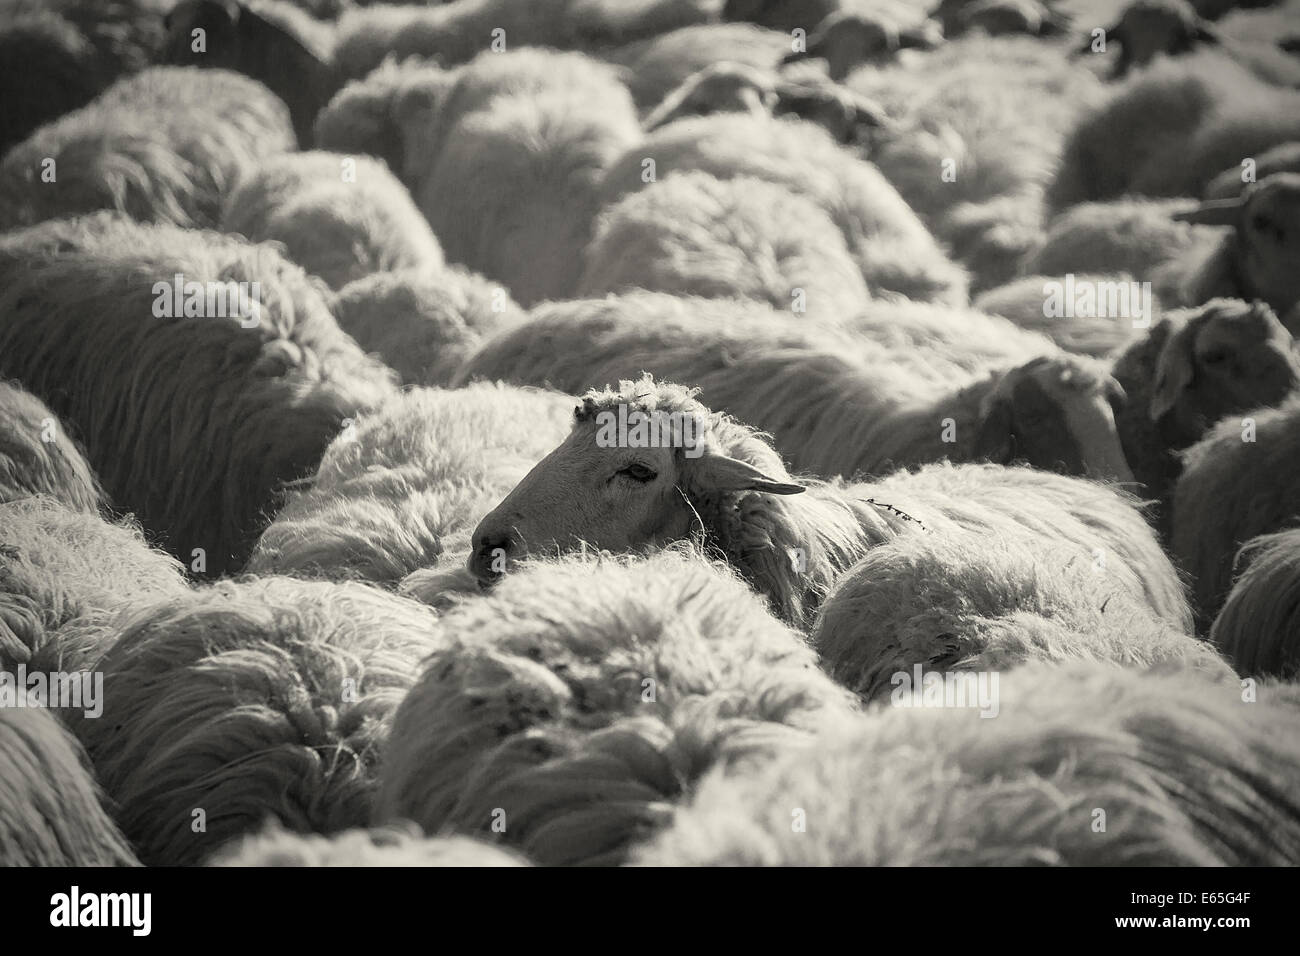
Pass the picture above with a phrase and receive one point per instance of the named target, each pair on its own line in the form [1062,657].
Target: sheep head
[720,87]
[1266,217]
[1226,356]
[640,465]
[849,40]
[1148,28]
[1055,412]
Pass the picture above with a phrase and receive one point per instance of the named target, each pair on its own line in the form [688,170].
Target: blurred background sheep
[365,588]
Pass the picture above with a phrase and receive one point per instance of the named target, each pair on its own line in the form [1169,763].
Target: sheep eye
[639,472]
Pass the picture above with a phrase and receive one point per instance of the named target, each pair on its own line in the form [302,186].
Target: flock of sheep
[313,317]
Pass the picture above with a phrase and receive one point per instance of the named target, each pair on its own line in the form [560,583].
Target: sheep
[869,33]
[1235,485]
[423,324]
[1184,772]
[717,88]
[694,234]
[512,192]
[382,846]
[63,576]
[1284,158]
[339,217]
[243,701]
[655,67]
[569,735]
[39,457]
[162,145]
[894,251]
[1148,28]
[1257,258]
[456,33]
[195,404]
[59,54]
[50,807]
[274,42]
[1001,17]
[835,405]
[1257,626]
[785,15]
[1171,129]
[965,603]
[1132,235]
[407,485]
[709,474]
[1194,367]
[1022,302]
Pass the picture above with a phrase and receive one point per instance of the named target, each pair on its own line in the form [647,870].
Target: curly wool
[693,234]
[893,249]
[411,482]
[1231,491]
[1186,774]
[1259,626]
[50,806]
[424,325]
[63,575]
[264,698]
[396,845]
[584,696]
[39,457]
[971,603]
[193,424]
[163,145]
[339,217]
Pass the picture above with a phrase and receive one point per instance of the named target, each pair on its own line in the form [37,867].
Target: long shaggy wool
[424,324]
[569,710]
[1022,301]
[63,576]
[50,809]
[192,423]
[1184,771]
[972,603]
[1171,129]
[1259,626]
[513,191]
[455,33]
[1232,490]
[831,525]
[407,485]
[263,699]
[893,249]
[898,384]
[694,234]
[395,845]
[339,217]
[162,146]
[39,457]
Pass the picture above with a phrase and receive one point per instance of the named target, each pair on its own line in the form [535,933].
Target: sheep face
[632,473]
[1151,27]
[1226,357]
[722,87]
[846,42]
[1057,415]
[217,20]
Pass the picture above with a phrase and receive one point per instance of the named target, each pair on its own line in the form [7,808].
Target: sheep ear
[1214,212]
[720,473]
[1174,372]
[993,443]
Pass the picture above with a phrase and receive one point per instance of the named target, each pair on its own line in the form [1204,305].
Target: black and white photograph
[650,434]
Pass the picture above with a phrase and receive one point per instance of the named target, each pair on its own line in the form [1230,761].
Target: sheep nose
[491,552]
